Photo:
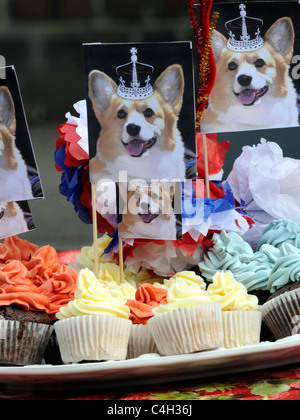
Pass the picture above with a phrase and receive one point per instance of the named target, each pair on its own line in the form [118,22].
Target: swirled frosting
[17,288]
[40,281]
[93,297]
[59,285]
[86,257]
[231,294]
[183,292]
[229,252]
[282,231]
[14,248]
[255,274]
[147,297]
[286,268]
[41,260]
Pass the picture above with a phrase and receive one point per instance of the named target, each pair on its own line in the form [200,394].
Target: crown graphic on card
[244,32]
[134,78]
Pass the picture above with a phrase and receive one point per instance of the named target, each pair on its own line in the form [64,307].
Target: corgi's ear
[7,107]
[281,36]
[218,43]
[170,84]
[101,90]
[11,209]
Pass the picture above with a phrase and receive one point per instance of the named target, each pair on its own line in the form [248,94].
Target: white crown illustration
[134,78]
[244,32]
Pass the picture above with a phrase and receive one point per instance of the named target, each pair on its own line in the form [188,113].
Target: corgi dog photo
[139,124]
[12,221]
[148,211]
[252,88]
[15,185]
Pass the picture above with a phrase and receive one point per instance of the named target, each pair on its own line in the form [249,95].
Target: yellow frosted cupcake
[190,321]
[241,315]
[95,325]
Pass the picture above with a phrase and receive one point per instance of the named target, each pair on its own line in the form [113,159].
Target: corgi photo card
[256,48]
[149,210]
[19,175]
[15,218]
[140,107]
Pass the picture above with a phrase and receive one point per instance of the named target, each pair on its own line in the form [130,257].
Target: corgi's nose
[244,80]
[133,129]
[145,206]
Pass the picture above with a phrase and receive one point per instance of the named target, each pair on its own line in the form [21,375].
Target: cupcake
[281,311]
[147,297]
[94,326]
[241,315]
[190,321]
[25,326]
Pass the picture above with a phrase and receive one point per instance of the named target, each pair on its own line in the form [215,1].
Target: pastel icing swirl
[94,297]
[183,291]
[286,269]
[282,231]
[231,294]
[255,274]
[229,252]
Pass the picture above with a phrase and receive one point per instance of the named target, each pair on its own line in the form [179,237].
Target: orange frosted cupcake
[34,285]
[25,326]
[147,297]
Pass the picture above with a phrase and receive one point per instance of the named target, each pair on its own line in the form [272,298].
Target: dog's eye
[148,113]
[232,66]
[259,63]
[122,113]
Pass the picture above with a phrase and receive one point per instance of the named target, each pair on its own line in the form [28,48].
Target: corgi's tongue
[247,96]
[135,147]
[147,218]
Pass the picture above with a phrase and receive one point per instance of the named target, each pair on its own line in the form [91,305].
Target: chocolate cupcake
[281,312]
[24,335]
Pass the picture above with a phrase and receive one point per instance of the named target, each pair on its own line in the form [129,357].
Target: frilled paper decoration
[72,159]
[263,181]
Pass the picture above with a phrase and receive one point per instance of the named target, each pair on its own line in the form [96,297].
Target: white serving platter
[154,369]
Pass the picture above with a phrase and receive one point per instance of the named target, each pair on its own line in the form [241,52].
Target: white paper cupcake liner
[241,328]
[187,330]
[93,337]
[140,341]
[282,314]
[23,343]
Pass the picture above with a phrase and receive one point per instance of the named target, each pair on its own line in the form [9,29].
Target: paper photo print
[149,210]
[15,218]
[140,104]
[256,47]
[19,176]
